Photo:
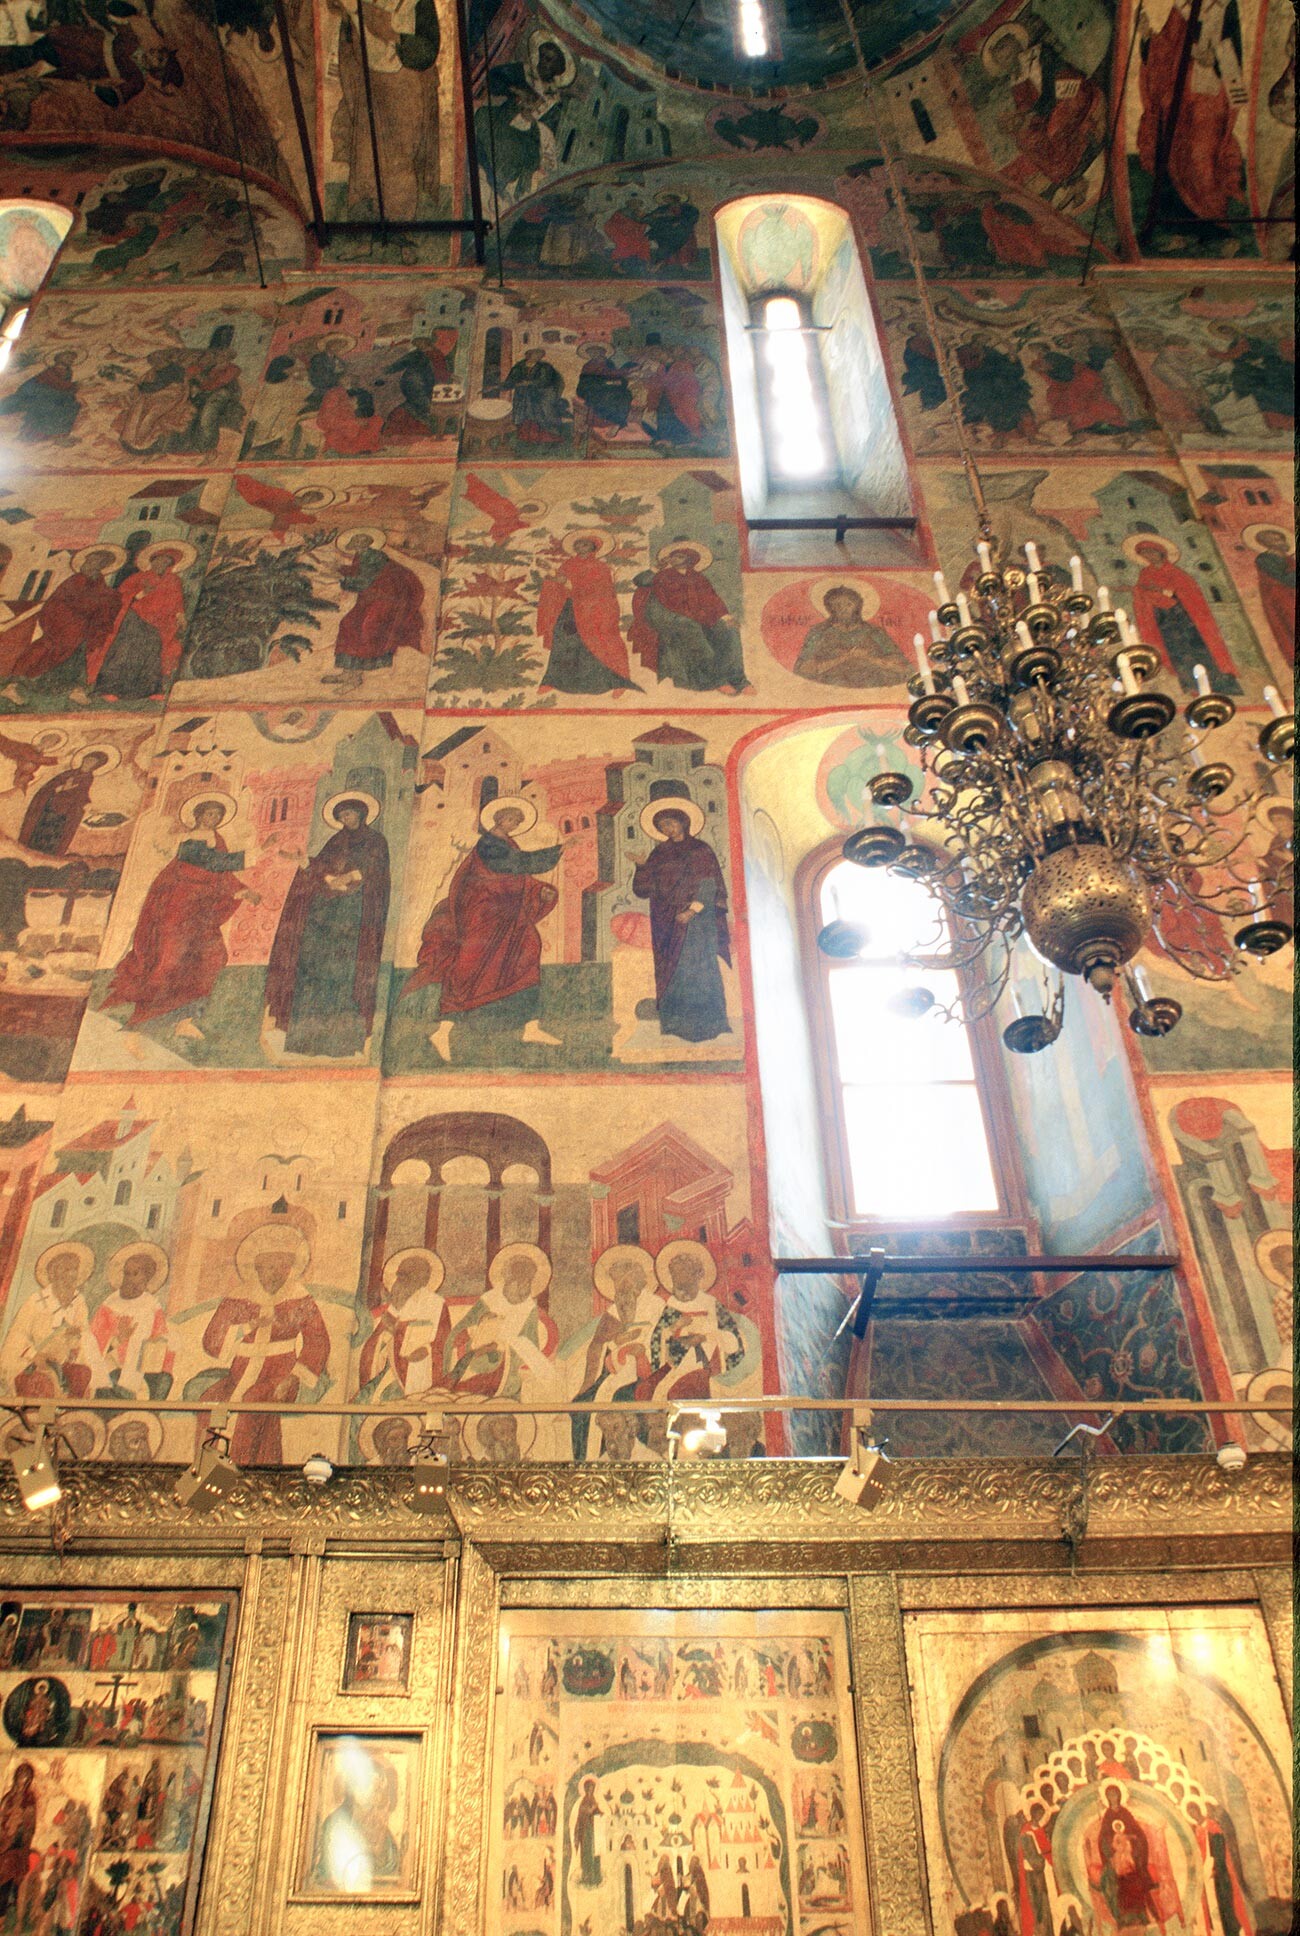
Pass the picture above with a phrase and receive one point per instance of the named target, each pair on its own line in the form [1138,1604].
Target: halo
[186,553]
[153,1427]
[1136,538]
[691,808]
[84,1255]
[51,740]
[257,1239]
[570,538]
[703,556]
[487,819]
[472,1429]
[437,1269]
[611,1258]
[190,807]
[112,755]
[115,1268]
[1011,31]
[372,535]
[1250,535]
[540,1261]
[114,552]
[91,1422]
[329,813]
[870,597]
[1271,1255]
[679,1247]
[539,39]
[370,1425]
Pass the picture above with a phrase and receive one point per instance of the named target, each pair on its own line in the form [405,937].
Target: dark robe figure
[584,1836]
[670,226]
[539,409]
[1127,1883]
[1275,570]
[419,371]
[845,650]
[47,403]
[324,967]
[673,400]
[579,623]
[60,635]
[603,387]
[480,944]
[1172,612]
[995,390]
[683,883]
[17,1832]
[1221,1877]
[140,657]
[177,950]
[1203,161]
[682,631]
[56,810]
[386,614]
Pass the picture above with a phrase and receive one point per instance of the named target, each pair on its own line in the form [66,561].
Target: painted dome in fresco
[699,40]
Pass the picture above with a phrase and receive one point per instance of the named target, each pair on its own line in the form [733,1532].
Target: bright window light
[753,29]
[14,324]
[797,447]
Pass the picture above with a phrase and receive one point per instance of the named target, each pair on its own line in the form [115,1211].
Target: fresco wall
[385,671]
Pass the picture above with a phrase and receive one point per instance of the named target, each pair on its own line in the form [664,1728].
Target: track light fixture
[862,1479]
[213,1475]
[431,1466]
[698,1433]
[34,1466]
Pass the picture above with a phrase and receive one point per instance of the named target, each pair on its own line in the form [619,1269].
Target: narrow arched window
[911,1099]
[798,440]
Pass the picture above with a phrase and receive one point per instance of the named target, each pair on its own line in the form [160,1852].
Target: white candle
[963,608]
[923,662]
[1141,984]
[1031,553]
[1200,679]
[1257,901]
[936,631]
[959,690]
[941,586]
[1076,572]
[1034,593]
[1127,679]
[1125,629]
[1023,632]
[1103,599]
[1274,702]
[985,556]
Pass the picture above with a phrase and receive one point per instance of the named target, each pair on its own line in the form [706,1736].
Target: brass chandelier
[1067,800]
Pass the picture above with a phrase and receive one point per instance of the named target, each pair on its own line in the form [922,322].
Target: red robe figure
[1205,164]
[1275,570]
[480,944]
[629,237]
[17,1832]
[1171,612]
[56,810]
[1033,1860]
[673,403]
[1229,1913]
[579,623]
[177,950]
[140,656]
[323,974]
[1076,389]
[681,630]
[275,1335]
[73,624]
[386,613]
[1059,117]
[1130,1890]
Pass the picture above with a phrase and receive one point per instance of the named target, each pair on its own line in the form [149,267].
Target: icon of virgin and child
[482,946]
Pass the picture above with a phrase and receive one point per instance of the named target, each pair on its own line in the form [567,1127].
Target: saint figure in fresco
[578,620]
[399,75]
[130,1320]
[73,623]
[697,1342]
[1130,1890]
[268,1337]
[604,390]
[323,972]
[140,656]
[539,410]
[670,225]
[411,1327]
[1056,115]
[49,1345]
[46,404]
[674,395]
[845,649]
[681,630]
[18,1807]
[503,1346]
[1224,1904]
[387,610]
[1072,372]
[681,879]
[586,1837]
[1172,613]
[1204,161]
[178,950]
[56,810]
[480,944]
[1275,576]
[610,1356]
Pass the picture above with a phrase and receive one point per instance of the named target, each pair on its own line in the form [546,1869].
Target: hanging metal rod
[941,1266]
[449,1408]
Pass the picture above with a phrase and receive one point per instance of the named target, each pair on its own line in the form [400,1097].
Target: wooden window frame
[1013,1212]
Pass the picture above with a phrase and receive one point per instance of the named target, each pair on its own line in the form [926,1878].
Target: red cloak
[687,593]
[295,1323]
[1205,164]
[79,613]
[588,585]
[157,599]
[385,617]
[177,950]
[1277,596]
[482,943]
[1162,587]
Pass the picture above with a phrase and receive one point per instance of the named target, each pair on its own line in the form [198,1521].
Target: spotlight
[703,1434]
[862,1481]
[212,1477]
[1230,1457]
[36,1473]
[317,1470]
[430,1466]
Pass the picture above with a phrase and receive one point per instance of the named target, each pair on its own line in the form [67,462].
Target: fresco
[30,236]
[616,375]
[1218,362]
[69,791]
[112,1719]
[321,587]
[560,1242]
[680,1772]
[981,1357]
[844,633]
[553,917]
[162,221]
[408,77]
[163,1242]
[353,374]
[100,381]
[966,223]
[628,588]
[615,226]
[1230,1151]
[253,925]
[1249,507]
[1100,1769]
[95,585]
[1036,369]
